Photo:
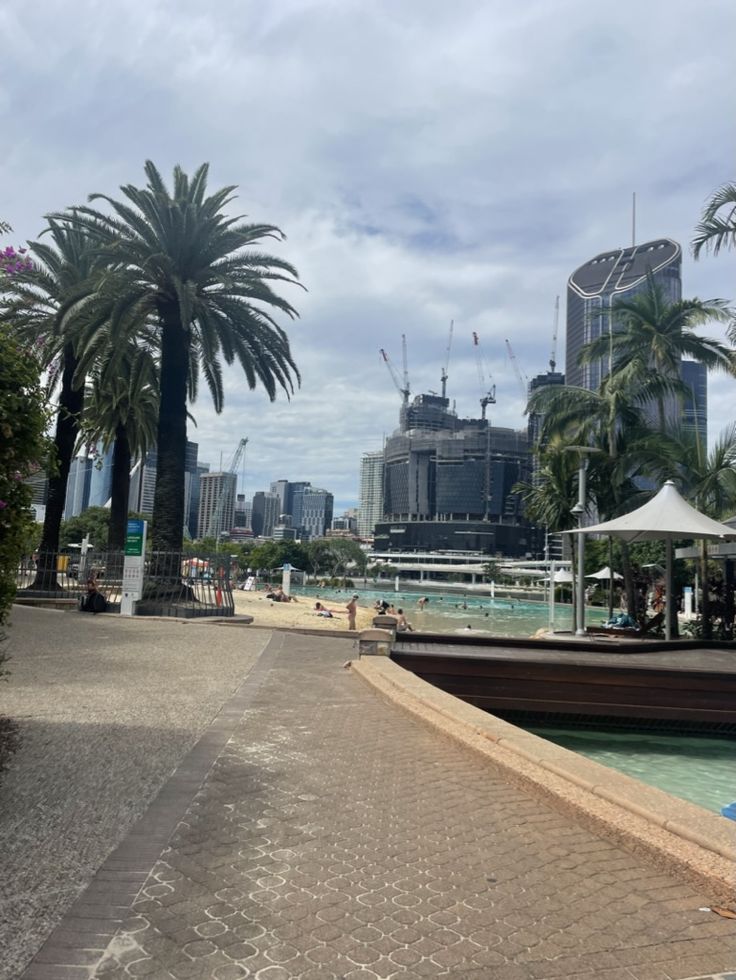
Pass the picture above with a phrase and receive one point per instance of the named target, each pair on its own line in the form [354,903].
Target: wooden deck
[677,682]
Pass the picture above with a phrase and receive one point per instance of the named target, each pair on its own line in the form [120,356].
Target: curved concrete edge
[678,836]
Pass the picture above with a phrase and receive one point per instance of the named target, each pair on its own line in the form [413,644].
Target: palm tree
[175,259]
[610,421]
[121,412]
[717,227]
[654,335]
[43,306]
[708,481]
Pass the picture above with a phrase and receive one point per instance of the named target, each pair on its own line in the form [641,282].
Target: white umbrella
[666,516]
[604,573]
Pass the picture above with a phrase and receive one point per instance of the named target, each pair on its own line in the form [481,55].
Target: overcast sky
[428,161]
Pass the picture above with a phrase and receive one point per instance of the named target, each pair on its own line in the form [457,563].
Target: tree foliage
[174,262]
[23,447]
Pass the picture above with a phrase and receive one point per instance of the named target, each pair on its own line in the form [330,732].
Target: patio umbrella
[669,517]
[604,573]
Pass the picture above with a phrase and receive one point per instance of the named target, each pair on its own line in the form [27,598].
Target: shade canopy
[665,516]
[605,573]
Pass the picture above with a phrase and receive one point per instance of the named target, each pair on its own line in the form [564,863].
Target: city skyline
[427,164]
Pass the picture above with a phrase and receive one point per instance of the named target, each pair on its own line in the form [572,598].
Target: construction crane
[520,376]
[216,519]
[403,390]
[489,398]
[553,355]
[447,360]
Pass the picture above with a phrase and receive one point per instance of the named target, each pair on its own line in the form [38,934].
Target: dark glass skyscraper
[593,287]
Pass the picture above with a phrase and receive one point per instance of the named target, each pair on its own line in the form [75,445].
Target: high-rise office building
[216,504]
[316,512]
[77,487]
[371,493]
[551,379]
[695,404]
[264,513]
[100,481]
[593,288]
[193,511]
[143,485]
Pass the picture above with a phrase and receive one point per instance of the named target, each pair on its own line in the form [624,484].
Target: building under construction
[448,483]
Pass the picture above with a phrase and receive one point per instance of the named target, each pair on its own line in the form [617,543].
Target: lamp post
[579,511]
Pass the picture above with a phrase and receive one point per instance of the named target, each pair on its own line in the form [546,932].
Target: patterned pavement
[335,838]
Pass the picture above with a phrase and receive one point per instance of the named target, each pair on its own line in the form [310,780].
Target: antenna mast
[553,355]
[633,219]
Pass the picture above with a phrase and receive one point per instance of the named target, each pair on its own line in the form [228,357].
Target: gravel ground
[107,707]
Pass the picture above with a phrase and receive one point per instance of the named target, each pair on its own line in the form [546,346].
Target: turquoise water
[453,613]
[693,767]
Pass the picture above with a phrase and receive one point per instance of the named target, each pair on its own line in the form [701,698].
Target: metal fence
[174,584]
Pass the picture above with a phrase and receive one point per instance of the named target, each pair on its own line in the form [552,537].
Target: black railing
[174,584]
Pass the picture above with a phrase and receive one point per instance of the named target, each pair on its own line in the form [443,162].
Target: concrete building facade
[216,504]
[371,493]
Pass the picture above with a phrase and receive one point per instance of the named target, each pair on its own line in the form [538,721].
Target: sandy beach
[301,613]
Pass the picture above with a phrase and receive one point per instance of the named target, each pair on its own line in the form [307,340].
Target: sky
[428,163]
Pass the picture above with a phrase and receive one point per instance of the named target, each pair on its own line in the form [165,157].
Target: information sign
[134,538]
[133,566]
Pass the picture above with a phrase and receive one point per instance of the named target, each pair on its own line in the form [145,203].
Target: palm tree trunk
[68,420]
[120,490]
[168,506]
[631,597]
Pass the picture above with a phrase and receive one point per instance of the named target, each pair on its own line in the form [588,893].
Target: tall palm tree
[611,421]
[174,258]
[708,480]
[43,305]
[654,335]
[717,227]
[121,412]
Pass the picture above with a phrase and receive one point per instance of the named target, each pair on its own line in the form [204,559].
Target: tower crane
[553,355]
[216,519]
[490,396]
[403,390]
[447,360]
[520,376]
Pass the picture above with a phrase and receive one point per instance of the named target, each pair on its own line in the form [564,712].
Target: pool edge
[679,836]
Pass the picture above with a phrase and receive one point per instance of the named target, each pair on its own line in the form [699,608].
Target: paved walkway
[335,837]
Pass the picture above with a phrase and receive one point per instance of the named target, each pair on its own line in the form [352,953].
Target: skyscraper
[216,504]
[77,487]
[593,287]
[695,405]
[371,493]
[316,511]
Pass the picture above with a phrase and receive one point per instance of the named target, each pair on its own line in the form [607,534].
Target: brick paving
[335,837]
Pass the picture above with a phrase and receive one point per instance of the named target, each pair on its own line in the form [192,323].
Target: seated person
[621,620]
[93,600]
[323,611]
[401,624]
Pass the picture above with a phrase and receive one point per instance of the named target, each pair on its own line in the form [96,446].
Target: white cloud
[428,162]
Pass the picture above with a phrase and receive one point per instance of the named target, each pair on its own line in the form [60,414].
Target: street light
[579,511]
